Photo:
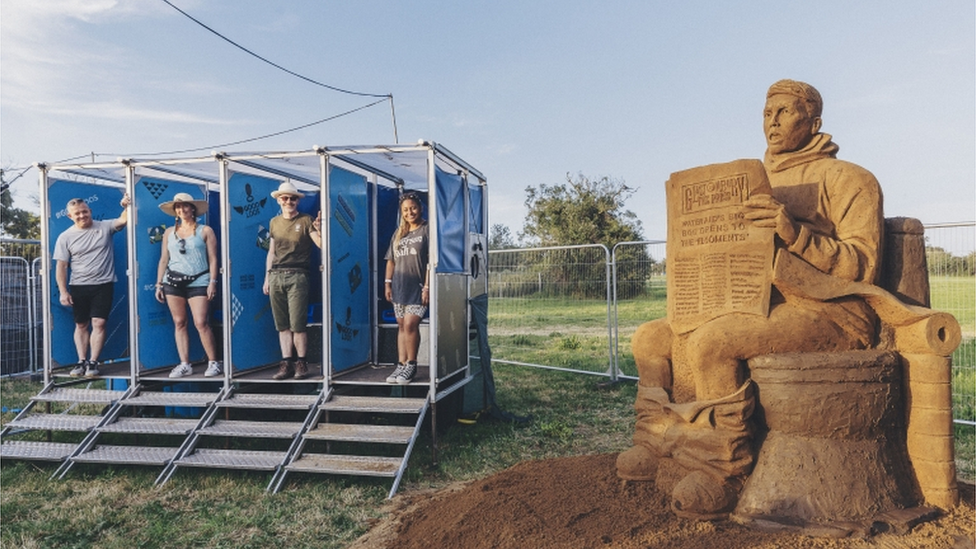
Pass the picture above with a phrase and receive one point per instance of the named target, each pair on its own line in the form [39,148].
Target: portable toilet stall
[352,333]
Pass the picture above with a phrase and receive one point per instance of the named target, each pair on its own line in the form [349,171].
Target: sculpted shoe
[637,463]
[700,496]
[301,369]
[285,371]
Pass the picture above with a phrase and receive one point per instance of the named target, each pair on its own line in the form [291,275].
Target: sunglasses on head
[411,196]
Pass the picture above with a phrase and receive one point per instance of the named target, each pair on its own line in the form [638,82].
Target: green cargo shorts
[288,291]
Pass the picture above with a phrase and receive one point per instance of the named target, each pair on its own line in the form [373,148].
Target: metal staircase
[323,432]
[237,409]
[81,413]
[358,436]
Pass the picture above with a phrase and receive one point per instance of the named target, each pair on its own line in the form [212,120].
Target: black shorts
[185,293]
[91,301]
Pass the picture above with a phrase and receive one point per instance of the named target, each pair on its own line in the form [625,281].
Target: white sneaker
[213,369]
[406,375]
[79,370]
[183,370]
[91,368]
[392,378]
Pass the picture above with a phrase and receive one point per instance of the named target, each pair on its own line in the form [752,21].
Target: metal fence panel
[20,318]
[952,280]
[549,307]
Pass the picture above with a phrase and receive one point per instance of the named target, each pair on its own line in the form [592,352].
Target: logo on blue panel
[155,188]
[345,332]
[156,234]
[253,206]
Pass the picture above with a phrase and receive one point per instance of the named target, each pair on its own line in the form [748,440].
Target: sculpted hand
[125,201]
[765,211]
[317,224]
[66,300]
[265,287]
[160,297]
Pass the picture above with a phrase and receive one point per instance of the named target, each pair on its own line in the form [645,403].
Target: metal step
[393,405]
[41,451]
[156,398]
[391,434]
[129,455]
[233,459]
[56,422]
[100,396]
[151,426]
[370,466]
[257,429]
[263,400]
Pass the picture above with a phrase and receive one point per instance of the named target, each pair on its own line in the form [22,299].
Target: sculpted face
[786,124]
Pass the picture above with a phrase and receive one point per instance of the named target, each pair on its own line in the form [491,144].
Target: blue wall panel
[349,256]
[104,204]
[157,347]
[255,340]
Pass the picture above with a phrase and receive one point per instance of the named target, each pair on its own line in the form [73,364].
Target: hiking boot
[213,369]
[183,370]
[285,371]
[79,370]
[91,368]
[406,375]
[301,368]
[392,378]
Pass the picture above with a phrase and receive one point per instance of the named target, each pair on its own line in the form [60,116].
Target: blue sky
[526,91]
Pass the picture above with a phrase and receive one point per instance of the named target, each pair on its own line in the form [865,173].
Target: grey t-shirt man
[89,252]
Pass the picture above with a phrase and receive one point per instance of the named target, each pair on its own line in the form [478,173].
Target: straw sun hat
[184,198]
[286,187]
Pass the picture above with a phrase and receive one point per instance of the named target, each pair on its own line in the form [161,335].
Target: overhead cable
[273,64]
[242,141]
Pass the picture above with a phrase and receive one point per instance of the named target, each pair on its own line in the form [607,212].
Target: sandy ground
[579,503]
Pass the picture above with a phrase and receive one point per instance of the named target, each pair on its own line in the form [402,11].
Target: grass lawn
[118,506]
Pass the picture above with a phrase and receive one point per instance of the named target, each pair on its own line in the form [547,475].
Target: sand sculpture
[799,379]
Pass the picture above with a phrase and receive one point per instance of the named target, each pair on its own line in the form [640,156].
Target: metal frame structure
[395,169]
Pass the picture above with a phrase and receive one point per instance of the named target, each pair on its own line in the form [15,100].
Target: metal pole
[45,274]
[226,275]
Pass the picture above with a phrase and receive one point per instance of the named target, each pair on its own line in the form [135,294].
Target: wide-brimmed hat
[184,198]
[286,187]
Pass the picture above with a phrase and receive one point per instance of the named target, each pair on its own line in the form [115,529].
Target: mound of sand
[580,503]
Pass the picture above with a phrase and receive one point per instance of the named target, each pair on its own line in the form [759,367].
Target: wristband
[389,280]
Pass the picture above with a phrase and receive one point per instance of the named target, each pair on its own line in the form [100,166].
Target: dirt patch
[579,503]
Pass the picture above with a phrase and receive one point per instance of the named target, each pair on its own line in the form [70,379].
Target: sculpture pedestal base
[835,454]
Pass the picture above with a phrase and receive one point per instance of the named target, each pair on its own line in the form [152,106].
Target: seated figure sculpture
[695,402]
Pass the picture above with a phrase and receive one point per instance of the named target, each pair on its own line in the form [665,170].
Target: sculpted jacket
[839,209]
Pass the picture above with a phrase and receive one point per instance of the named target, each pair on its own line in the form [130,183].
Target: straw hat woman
[189,248]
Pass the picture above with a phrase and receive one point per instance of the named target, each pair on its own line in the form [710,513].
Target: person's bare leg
[199,307]
[177,309]
[97,340]
[81,341]
[285,341]
[300,339]
[411,337]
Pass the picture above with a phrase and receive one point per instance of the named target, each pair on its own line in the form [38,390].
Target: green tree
[500,238]
[17,223]
[588,211]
